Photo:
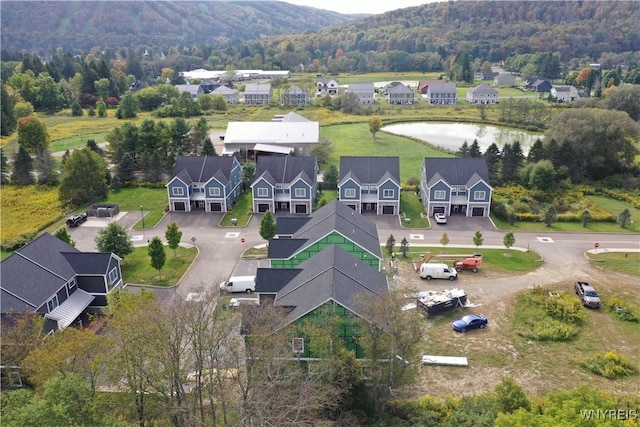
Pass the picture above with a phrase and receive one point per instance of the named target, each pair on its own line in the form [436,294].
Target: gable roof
[441,87]
[202,168]
[223,90]
[482,89]
[369,169]
[287,225]
[335,216]
[399,88]
[257,89]
[272,280]
[285,169]
[456,170]
[332,274]
[33,273]
[366,87]
[296,90]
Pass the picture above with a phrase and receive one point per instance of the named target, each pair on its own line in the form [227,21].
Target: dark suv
[76,220]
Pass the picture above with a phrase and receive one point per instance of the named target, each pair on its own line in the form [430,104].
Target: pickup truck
[587,294]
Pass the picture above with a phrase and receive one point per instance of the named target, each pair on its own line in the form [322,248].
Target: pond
[451,136]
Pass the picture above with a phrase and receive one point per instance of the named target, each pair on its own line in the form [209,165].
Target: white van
[239,284]
[434,270]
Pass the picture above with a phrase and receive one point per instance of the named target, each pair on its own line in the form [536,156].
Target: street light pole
[142,215]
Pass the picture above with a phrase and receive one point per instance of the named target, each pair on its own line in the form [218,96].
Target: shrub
[610,365]
[624,311]
[553,330]
[567,309]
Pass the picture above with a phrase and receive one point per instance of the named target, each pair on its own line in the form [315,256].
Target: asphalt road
[220,248]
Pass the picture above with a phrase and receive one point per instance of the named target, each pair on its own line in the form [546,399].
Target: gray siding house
[366,92]
[399,94]
[295,95]
[50,278]
[231,96]
[194,90]
[482,94]
[370,184]
[285,183]
[257,94]
[455,185]
[210,183]
[441,93]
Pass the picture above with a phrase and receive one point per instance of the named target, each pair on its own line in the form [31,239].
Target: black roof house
[369,169]
[192,169]
[456,170]
[51,278]
[286,169]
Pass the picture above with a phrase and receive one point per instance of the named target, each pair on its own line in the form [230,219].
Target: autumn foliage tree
[375,124]
[31,133]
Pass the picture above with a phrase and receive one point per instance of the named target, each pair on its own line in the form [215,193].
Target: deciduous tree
[267,226]
[8,120]
[375,124]
[64,235]
[173,236]
[444,240]
[478,239]
[157,254]
[84,173]
[31,133]
[114,238]
[509,240]
[624,219]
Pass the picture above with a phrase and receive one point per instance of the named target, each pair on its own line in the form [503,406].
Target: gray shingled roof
[35,272]
[202,168]
[284,248]
[285,169]
[369,170]
[272,280]
[332,274]
[456,171]
[287,225]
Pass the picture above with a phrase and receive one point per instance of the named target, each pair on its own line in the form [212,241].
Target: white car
[440,218]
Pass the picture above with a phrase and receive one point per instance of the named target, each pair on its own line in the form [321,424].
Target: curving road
[220,248]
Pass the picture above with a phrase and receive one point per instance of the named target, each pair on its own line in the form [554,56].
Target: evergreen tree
[537,152]
[173,236]
[331,174]
[114,238]
[550,216]
[154,170]
[624,219]
[492,157]
[552,152]
[463,151]
[509,164]
[157,254]
[474,149]
[8,120]
[93,146]
[391,241]
[76,109]
[128,107]
[4,167]
[22,167]
[404,247]
[267,226]
[46,166]
[207,148]
[127,169]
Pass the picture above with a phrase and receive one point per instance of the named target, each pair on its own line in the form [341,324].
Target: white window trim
[177,191]
[213,191]
[52,304]
[72,284]
[441,193]
[350,192]
[263,192]
[113,275]
[300,192]
[479,195]
[388,193]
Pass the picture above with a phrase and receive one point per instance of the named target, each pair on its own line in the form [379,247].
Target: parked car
[76,220]
[470,321]
[440,218]
[587,294]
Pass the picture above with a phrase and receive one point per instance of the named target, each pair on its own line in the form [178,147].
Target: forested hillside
[77,26]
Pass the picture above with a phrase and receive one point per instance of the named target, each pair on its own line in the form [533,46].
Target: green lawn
[495,260]
[136,267]
[626,263]
[412,207]
[356,140]
[77,141]
[575,227]
[241,211]
[327,196]
[152,200]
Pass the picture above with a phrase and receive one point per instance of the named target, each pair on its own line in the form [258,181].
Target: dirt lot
[498,350]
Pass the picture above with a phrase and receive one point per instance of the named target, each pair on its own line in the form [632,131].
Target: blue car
[470,321]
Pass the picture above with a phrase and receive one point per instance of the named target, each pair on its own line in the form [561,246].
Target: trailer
[435,302]
[460,261]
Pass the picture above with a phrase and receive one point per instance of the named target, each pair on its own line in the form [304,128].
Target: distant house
[399,94]
[333,283]
[423,85]
[210,183]
[327,87]
[482,94]
[231,96]
[295,95]
[487,75]
[257,94]
[209,85]
[537,85]
[50,278]
[441,93]
[285,183]
[564,93]
[300,238]
[282,135]
[455,185]
[370,184]
[504,79]
[194,90]
[366,92]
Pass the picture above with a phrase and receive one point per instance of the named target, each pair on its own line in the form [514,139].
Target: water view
[452,135]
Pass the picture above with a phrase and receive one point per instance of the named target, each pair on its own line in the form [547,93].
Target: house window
[113,275]
[263,192]
[350,192]
[373,188]
[178,191]
[52,303]
[72,284]
[461,189]
[479,195]
[301,192]
[439,195]
[214,192]
[388,193]
[279,186]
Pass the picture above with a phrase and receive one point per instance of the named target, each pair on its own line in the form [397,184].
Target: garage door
[477,212]
[179,206]
[301,209]
[215,207]
[439,209]
[263,207]
[387,210]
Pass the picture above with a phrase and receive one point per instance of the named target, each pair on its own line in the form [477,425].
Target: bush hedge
[611,365]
